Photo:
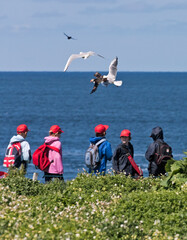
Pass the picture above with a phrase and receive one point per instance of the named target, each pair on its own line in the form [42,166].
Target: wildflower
[77,235]
[31,226]
[156,222]
[176,237]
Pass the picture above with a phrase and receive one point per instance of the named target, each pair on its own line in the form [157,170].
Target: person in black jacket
[152,153]
[120,161]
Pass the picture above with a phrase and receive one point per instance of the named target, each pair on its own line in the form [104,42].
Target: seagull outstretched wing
[112,70]
[84,55]
[71,58]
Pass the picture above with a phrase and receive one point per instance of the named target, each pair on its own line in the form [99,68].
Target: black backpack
[164,153]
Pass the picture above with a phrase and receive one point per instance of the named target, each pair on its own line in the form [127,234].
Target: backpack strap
[52,148]
[100,141]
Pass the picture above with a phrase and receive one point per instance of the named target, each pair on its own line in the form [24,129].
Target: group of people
[121,162]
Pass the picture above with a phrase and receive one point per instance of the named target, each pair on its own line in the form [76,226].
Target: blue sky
[146,35]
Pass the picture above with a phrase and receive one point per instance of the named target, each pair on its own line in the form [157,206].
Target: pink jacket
[56,166]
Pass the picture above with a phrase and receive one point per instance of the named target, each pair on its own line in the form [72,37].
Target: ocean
[145,100]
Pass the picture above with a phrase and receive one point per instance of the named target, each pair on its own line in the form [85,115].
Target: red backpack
[40,156]
[3,174]
[13,155]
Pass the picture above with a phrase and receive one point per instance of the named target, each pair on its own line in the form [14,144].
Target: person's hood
[94,140]
[17,138]
[51,139]
[157,133]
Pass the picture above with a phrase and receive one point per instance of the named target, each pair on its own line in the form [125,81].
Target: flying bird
[111,77]
[108,79]
[96,81]
[84,55]
[69,37]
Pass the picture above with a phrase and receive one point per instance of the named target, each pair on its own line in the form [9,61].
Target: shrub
[94,207]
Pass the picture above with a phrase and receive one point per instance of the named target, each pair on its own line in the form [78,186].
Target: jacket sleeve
[56,159]
[115,160]
[25,151]
[149,155]
[132,150]
[108,151]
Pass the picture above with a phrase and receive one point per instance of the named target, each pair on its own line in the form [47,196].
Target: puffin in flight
[108,79]
[69,37]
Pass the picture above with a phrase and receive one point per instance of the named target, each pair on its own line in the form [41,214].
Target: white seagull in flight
[84,55]
[111,77]
[108,79]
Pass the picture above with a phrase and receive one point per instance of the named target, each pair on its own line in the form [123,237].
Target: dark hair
[99,134]
[51,133]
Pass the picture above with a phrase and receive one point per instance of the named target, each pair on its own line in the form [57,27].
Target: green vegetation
[95,207]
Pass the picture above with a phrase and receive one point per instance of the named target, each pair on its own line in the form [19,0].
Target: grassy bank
[94,207]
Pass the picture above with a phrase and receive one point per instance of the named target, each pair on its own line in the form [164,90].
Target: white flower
[31,226]
[77,235]
[156,222]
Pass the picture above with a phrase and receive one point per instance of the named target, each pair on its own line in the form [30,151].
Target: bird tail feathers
[118,83]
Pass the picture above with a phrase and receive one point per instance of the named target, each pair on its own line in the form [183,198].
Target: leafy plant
[94,207]
[177,173]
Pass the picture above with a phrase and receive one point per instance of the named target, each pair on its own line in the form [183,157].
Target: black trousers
[49,176]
